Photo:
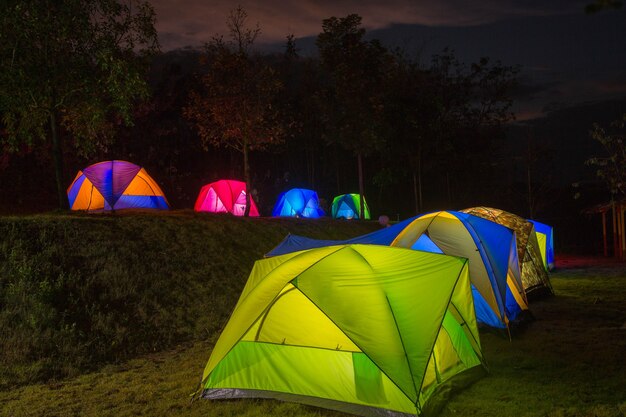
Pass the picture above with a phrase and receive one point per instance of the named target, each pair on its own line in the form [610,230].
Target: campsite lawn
[570,362]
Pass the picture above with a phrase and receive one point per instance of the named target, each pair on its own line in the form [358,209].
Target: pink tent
[225,196]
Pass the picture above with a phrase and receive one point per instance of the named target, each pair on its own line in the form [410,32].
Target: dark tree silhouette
[71,67]
[353,99]
[600,5]
[611,167]
[235,106]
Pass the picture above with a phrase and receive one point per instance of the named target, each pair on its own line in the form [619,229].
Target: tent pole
[449,190]
[606,252]
[419,177]
[619,232]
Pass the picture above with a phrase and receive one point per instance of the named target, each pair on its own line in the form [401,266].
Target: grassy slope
[569,362]
[77,291]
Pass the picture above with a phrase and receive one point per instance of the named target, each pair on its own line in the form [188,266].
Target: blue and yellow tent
[298,202]
[499,296]
[115,185]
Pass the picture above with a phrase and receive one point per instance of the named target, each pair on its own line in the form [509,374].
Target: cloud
[194,22]
[524,115]
[612,87]
[528,89]
[566,56]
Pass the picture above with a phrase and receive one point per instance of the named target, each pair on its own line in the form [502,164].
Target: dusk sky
[567,57]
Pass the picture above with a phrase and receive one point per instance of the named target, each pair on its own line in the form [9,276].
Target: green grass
[78,291]
[569,362]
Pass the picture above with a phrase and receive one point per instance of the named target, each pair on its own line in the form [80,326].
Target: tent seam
[267,310]
[144,180]
[409,225]
[362,257]
[91,194]
[466,325]
[264,310]
[302,253]
[485,257]
[465,322]
[304,346]
[465,262]
[408,362]
[357,345]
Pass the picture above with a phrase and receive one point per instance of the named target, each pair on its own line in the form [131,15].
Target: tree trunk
[415,195]
[311,163]
[529,161]
[246,178]
[361,187]
[337,173]
[449,189]
[57,154]
[418,187]
[530,193]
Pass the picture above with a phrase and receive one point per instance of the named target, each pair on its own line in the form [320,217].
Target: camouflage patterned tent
[534,276]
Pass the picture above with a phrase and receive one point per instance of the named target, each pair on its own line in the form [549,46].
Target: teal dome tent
[347,206]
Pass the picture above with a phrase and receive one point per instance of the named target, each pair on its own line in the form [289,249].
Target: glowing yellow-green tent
[365,329]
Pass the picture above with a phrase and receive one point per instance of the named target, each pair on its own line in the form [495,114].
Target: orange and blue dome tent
[225,196]
[115,185]
[347,206]
[365,329]
[298,202]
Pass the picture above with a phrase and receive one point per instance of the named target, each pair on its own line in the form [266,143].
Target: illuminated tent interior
[298,202]
[347,206]
[225,196]
[365,329]
[115,185]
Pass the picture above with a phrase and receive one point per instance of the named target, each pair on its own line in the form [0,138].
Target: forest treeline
[410,133]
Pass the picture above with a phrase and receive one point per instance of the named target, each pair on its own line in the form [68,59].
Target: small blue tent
[499,296]
[298,202]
